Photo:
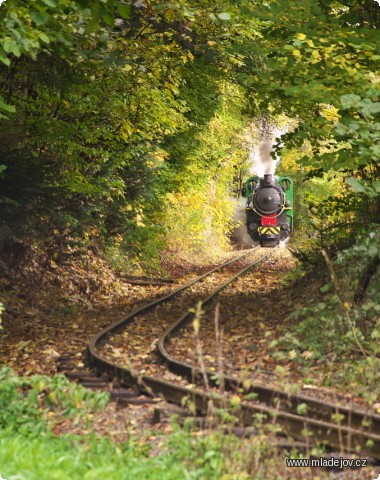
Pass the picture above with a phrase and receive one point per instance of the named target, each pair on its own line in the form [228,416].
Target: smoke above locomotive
[269,208]
[260,159]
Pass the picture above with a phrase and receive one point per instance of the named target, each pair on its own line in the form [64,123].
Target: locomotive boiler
[269,208]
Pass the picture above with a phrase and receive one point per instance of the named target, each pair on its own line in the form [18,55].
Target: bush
[345,325]
[28,405]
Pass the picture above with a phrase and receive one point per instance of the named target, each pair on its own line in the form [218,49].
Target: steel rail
[340,423]
[334,434]
[120,324]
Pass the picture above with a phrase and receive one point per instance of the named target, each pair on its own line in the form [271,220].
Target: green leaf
[2,168]
[8,46]
[374,107]
[302,409]
[39,18]
[350,100]
[6,107]
[375,149]
[82,3]
[50,3]
[224,16]
[108,19]
[44,37]
[101,12]
[124,10]
[376,186]
[373,251]
[5,60]
[325,288]
[13,48]
[356,185]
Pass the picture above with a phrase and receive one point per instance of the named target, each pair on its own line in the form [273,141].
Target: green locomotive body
[269,208]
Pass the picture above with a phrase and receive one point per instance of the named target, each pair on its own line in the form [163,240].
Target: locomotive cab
[269,209]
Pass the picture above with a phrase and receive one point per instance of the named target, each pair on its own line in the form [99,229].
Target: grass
[29,450]
[184,455]
[70,457]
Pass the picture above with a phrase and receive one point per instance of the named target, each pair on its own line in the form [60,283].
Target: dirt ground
[54,311]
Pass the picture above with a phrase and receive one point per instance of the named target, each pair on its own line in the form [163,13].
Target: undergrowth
[183,457]
[340,334]
[29,450]
[29,405]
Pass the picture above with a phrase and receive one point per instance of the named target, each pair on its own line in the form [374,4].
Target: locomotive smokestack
[268,180]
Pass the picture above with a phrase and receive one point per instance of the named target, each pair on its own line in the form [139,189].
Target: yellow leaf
[292,354]
[169,14]
[297,53]
[139,221]
[52,397]
[246,384]
[307,354]
[300,36]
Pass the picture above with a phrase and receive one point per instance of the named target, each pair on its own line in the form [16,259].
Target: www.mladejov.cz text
[332,462]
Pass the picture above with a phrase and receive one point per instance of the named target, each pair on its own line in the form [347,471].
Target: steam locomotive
[269,208]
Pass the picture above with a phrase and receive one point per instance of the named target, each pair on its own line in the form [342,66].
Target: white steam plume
[261,161]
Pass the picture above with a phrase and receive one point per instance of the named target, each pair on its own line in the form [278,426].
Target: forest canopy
[124,125]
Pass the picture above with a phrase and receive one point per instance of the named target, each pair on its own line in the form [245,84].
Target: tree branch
[366,278]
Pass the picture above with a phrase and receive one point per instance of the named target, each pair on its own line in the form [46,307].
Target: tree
[90,147]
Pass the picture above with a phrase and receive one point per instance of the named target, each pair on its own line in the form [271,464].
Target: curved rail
[340,426]
[119,324]
[352,430]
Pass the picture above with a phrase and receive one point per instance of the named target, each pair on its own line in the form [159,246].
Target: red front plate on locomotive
[269,220]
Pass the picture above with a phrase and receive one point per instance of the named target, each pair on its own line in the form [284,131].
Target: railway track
[338,427]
